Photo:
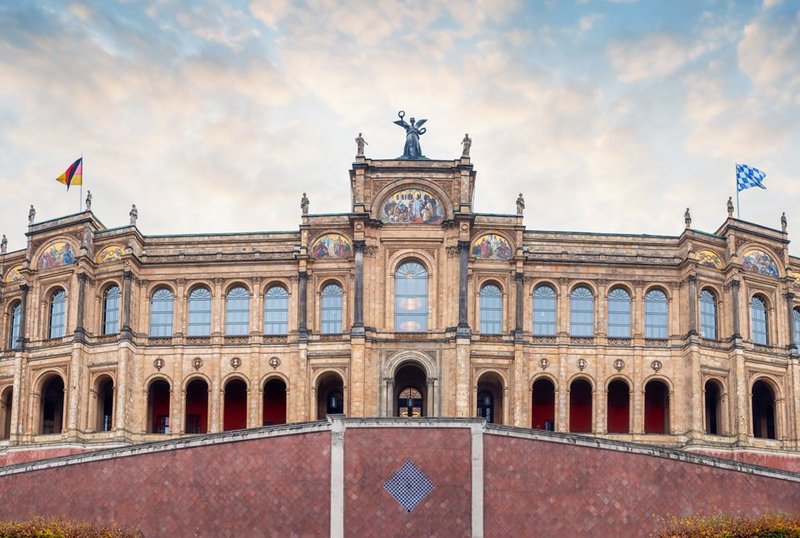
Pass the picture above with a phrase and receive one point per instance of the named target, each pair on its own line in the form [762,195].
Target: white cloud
[655,55]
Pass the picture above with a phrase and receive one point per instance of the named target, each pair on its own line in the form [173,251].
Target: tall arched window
[655,314]
[544,311]
[237,312]
[491,309]
[331,309]
[276,311]
[581,304]
[619,313]
[796,321]
[111,310]
[161,313]
[58,309]
[16,323]
[708,314]
[758,320]
[199,312]
[411,298]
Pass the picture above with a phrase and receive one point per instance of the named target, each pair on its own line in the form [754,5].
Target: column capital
[463,245]
[359,245]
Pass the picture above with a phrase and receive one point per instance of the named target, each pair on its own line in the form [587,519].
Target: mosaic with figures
[331,245]
[412,206]
[114,252]
[491,247]
[55,255]
[757,261]
[709,259]
[13,274]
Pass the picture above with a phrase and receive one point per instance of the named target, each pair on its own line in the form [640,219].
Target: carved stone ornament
[582,364]
[619,364]
[544,363]
[452,252]
[197,363]
[274,362]
[656,365]
[158,364]
[370,251]
[236,362]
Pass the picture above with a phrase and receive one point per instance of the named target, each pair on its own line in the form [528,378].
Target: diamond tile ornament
[408,486]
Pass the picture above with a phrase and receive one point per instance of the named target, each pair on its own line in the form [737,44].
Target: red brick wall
[371,457]
[264,487]
[554,489]
[776,461]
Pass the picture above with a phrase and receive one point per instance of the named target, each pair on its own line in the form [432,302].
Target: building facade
[409,304]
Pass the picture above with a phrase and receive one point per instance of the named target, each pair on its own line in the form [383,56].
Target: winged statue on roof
[414,130]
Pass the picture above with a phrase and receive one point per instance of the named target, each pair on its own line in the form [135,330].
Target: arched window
[544,311]
[796,321]
[237,312]
[708,314]
[276,311]
[619,313]
[758,320]
[199,312]
[58,309]
[161,313]
[581,304]
[111,310]
[491,309]
[655,314]
[331,310]
[16,323]
[411,298]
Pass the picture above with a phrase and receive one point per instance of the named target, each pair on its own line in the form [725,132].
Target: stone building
[408,304]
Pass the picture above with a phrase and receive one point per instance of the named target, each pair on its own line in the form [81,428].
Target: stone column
[23,316]
[358,315]
[737,334]
[519,280]
[790,311]
[302,310]
[463,325]
[692,305]
[80,331]
[126,333]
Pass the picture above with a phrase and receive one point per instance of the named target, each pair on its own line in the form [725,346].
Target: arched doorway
[656,407]
[274,408]
[580,406]
[490,398]
[53,405]
[410,391]
[235,413]
[543,405]
[712,406]
[6,399]
[105,404]
[196,417]
[763,411]
[619,411]
[330,395]
[158,406]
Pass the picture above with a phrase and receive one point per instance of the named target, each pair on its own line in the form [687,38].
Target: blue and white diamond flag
[747,177]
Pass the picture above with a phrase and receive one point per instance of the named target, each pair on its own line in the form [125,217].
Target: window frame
[331,316]
[757,335]
[707,315]
[652,330]
[421,280]
[489,324]
[153,312]
[537,324]
[236,307]
[619,318]
[61,315]
[111,305]
[282,321]
[577,324]
[192,323]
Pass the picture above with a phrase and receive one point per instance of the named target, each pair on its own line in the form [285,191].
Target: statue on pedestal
[467,143]
[784,224]
[134,214]
[304,204]
[31,215]
[687,218]
[414,130]
[520,204]
[360,142]
[730,206]
[88,200]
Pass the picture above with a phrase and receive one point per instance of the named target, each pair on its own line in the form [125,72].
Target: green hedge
[40,527]
[721,526]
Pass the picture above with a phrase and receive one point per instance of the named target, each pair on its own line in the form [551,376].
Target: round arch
[381,196]
[238,283]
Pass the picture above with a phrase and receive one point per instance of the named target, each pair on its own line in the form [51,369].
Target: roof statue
[360,142]
[88,200]
[784,224]
[4,244]
[304,204]
[414,130]
[467,143]
[31,214]
[687,218]
[730,206]
[134,214]
[520,204]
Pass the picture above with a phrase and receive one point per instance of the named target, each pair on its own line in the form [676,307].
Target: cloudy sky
[216,116]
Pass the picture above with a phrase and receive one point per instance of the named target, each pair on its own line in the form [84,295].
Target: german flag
[73,175]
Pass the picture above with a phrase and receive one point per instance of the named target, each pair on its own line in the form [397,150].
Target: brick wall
[279,482]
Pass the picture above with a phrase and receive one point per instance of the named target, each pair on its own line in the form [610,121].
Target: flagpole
[736,181]
[83,167]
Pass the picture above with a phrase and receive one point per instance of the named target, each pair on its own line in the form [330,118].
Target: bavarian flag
[72,175]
